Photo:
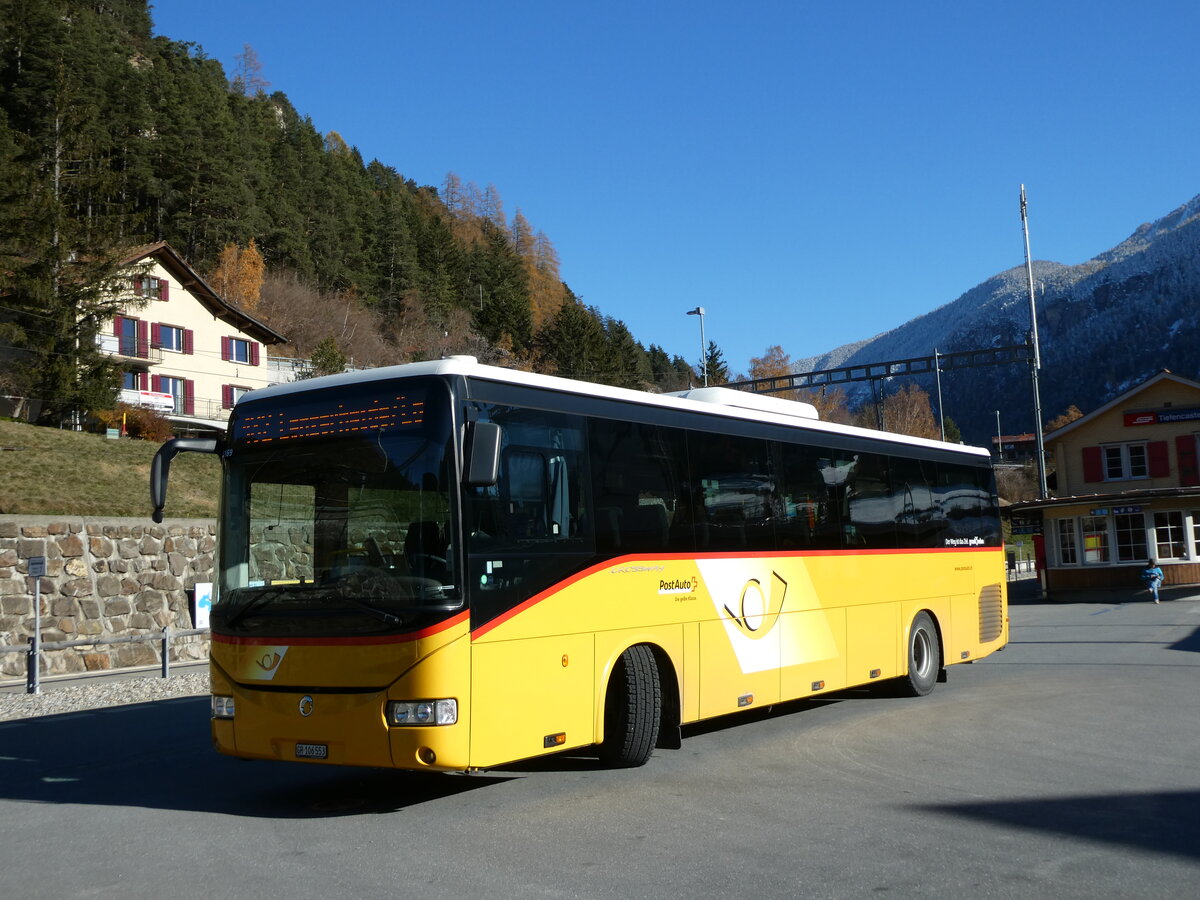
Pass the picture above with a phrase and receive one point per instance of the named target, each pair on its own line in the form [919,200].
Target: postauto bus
[451,566]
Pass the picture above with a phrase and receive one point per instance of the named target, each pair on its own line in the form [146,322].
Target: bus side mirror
[161,467]
[483,454]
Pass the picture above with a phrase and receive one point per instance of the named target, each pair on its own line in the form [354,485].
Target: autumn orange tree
[540,259]
[831,403]
[239,275]
[907,411]
[1071,413]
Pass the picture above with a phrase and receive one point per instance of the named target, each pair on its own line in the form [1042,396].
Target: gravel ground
[116,690]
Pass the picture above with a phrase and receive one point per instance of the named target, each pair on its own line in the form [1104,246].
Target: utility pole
[1035,362]
[699,311]
[937,372]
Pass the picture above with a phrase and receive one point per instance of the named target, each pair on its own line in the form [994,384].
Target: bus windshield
[337,514]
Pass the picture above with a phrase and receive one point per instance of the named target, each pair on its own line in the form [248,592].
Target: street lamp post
[699,311]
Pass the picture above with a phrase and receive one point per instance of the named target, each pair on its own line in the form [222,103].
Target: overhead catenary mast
[1035,361]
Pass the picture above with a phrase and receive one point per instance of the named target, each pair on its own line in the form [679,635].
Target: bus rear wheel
[924,657]
[632,709]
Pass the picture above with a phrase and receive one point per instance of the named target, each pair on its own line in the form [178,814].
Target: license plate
[312,751]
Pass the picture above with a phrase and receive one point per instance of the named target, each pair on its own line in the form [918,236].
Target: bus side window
[810,517]
[636,486]
[526,481]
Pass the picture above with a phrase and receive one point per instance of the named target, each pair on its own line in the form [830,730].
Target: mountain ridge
[1097,327]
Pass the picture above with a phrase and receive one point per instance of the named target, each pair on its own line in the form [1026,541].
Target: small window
[170,338]
[174,387]
[1094,530]
[1168,535]
[231,394]
[1123,462]
[1067,554]
[149,286]
[239,350]
[1131,536]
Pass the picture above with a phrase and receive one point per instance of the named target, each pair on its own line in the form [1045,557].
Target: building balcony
[129,350]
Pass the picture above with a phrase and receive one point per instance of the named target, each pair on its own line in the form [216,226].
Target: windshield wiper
[260,599]
[359,603]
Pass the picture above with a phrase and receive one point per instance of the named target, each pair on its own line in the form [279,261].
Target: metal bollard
[33,675]
[166,651]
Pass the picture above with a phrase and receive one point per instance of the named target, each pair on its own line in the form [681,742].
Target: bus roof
[715,401]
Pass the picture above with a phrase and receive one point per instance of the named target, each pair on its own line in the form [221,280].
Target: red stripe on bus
[343,641]
[619,561]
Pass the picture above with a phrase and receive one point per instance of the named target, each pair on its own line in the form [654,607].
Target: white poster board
[203,603]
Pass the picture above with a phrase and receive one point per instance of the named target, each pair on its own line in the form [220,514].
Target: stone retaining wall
[104,577]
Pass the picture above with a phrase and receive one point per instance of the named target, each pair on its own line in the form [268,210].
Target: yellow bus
[451,566]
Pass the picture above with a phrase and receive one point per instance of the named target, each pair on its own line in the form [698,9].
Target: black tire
[924,658]
[632,709]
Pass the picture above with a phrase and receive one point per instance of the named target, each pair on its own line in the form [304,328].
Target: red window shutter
[155,334]
[189,341]
[143,381]
[143,339]
[164,289]
[226,353]
[227,396]
[1185,452]
[156,383]
[1160,464]
[189,397]
[254,353]
[117,325]
[1093,464]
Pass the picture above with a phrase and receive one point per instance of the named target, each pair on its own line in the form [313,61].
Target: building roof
[1113,498]
[1164,375]
[190,279]
[1014,438]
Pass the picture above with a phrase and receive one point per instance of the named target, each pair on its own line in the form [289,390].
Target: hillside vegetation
[112,137]
[68,473]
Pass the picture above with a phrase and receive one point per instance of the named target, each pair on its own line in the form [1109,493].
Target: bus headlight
[222,707]
[422,712]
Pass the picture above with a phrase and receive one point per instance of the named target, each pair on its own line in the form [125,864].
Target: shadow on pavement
[159,756]
[1162,822]
[1028,592]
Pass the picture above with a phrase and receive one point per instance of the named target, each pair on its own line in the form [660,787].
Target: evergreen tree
[953,433]
[327,358]
[573,342]
[496,268]
[715,365]
[626,362]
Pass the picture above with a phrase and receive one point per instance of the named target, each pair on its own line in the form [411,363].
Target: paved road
[1066,766]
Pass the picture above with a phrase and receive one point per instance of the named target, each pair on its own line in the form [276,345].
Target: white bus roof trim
[712,401]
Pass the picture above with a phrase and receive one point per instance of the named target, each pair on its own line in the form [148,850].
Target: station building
[1128,490]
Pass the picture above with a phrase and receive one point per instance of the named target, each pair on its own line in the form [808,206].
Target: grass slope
[51,472]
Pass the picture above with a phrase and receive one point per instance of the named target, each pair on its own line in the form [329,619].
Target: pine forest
[112,138]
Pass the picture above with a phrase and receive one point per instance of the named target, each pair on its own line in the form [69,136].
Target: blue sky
[810,173]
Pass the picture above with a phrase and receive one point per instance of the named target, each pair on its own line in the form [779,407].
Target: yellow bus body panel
[733,632]
[288,694]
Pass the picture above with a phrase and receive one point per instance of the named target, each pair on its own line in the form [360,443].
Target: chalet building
[1128,490]
[1015,447]
[183,349]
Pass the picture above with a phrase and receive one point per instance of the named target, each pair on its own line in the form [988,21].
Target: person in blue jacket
[1152,576]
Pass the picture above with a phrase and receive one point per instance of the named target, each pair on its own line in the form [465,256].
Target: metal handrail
[35,649]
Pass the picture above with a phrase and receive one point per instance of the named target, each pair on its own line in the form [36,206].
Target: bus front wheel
[924,657]
[632,709]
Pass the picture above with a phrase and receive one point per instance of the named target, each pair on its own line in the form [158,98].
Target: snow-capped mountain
[1104,325]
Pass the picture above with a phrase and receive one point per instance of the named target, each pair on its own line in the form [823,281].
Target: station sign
[1161,416]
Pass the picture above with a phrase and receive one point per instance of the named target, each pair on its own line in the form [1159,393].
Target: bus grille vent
[991,613]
